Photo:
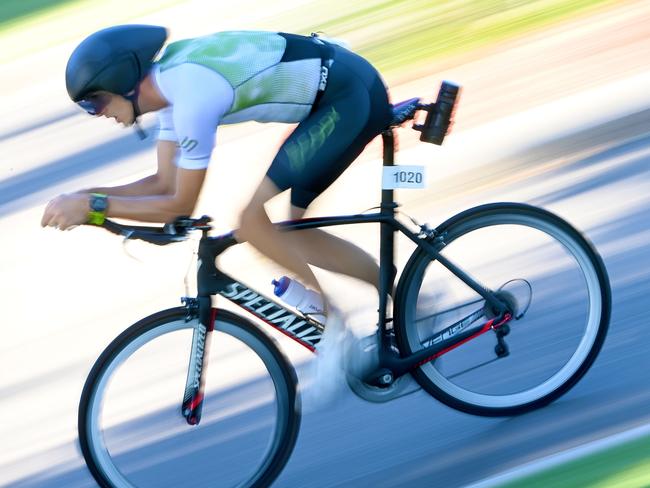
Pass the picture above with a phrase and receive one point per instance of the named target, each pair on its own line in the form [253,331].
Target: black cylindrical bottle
[437,121]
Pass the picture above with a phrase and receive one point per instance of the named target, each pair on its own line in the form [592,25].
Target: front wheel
[553,281]
[131,430]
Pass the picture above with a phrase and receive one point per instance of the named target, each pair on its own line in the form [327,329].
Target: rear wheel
[548,273]
[131,429]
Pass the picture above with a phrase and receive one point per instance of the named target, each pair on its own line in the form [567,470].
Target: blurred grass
[12,11]
[626,466]
[393,34]
[397,33]
[30,25]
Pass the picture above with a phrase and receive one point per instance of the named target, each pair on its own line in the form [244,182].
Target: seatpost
[387,241]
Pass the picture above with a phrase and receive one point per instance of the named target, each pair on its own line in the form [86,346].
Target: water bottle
[297,295]
[440,114]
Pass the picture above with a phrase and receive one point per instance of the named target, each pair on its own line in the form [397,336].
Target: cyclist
[336,97]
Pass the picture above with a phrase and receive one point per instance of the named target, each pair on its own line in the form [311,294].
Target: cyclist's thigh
[353,110]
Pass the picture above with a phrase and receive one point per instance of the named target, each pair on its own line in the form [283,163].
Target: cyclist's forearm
[156,208]
[148,186]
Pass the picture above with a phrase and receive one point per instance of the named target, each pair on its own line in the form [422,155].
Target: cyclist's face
[118,108]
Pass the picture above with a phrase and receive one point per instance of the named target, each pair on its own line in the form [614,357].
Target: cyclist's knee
[296,212]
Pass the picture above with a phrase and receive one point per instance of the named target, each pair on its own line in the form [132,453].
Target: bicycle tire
[482,217]
[91,438]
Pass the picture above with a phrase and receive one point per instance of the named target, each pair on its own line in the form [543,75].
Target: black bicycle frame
[212,281]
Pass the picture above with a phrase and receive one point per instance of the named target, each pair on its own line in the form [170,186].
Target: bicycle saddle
[404,111]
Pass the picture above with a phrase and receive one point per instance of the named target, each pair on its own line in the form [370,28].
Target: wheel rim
[595,310]
[97,442]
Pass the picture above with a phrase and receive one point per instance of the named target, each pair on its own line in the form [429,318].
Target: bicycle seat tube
[387,243]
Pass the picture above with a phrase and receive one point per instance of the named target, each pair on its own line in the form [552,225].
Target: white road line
[562,457]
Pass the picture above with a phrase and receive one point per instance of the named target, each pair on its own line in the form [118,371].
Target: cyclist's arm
[200,98]
[160,183]
[163,207]
[161,197]
[178,190]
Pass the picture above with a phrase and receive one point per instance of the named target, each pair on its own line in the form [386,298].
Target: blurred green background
[393,34]
[625,466]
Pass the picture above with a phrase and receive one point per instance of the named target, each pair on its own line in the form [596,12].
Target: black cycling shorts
[353,110]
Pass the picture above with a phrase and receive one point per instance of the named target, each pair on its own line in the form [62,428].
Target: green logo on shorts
[303,148]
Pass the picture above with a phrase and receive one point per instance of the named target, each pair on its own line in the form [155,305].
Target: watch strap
[97,214]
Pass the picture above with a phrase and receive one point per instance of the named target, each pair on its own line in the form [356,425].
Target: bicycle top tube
[180,229]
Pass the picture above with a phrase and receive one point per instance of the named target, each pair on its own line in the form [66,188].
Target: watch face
[98,203]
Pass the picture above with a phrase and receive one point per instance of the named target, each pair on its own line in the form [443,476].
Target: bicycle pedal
[501,349]
[503,331]
[399,387]
[381,378]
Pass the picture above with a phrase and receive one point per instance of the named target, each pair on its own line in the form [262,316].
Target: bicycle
[501,297]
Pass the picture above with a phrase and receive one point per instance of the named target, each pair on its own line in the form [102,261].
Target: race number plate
[402,177]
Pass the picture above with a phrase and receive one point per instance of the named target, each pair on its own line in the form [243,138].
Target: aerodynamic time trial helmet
[114,60]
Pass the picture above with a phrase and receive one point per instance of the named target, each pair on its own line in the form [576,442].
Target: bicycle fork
[199,354]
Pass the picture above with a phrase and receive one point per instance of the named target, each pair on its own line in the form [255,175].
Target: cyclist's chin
[124,122]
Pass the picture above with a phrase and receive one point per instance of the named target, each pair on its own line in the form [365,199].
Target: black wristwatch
[98,206]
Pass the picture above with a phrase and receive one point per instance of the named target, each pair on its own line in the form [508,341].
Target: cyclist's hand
[66,211]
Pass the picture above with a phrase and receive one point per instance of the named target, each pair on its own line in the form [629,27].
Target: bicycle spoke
[460,373]
[549,279]
[450,331]
[448,310]
[131,432]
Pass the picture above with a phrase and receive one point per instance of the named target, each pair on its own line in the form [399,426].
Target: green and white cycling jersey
[231,77]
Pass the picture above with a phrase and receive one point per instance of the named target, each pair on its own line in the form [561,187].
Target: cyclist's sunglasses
[95,103]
